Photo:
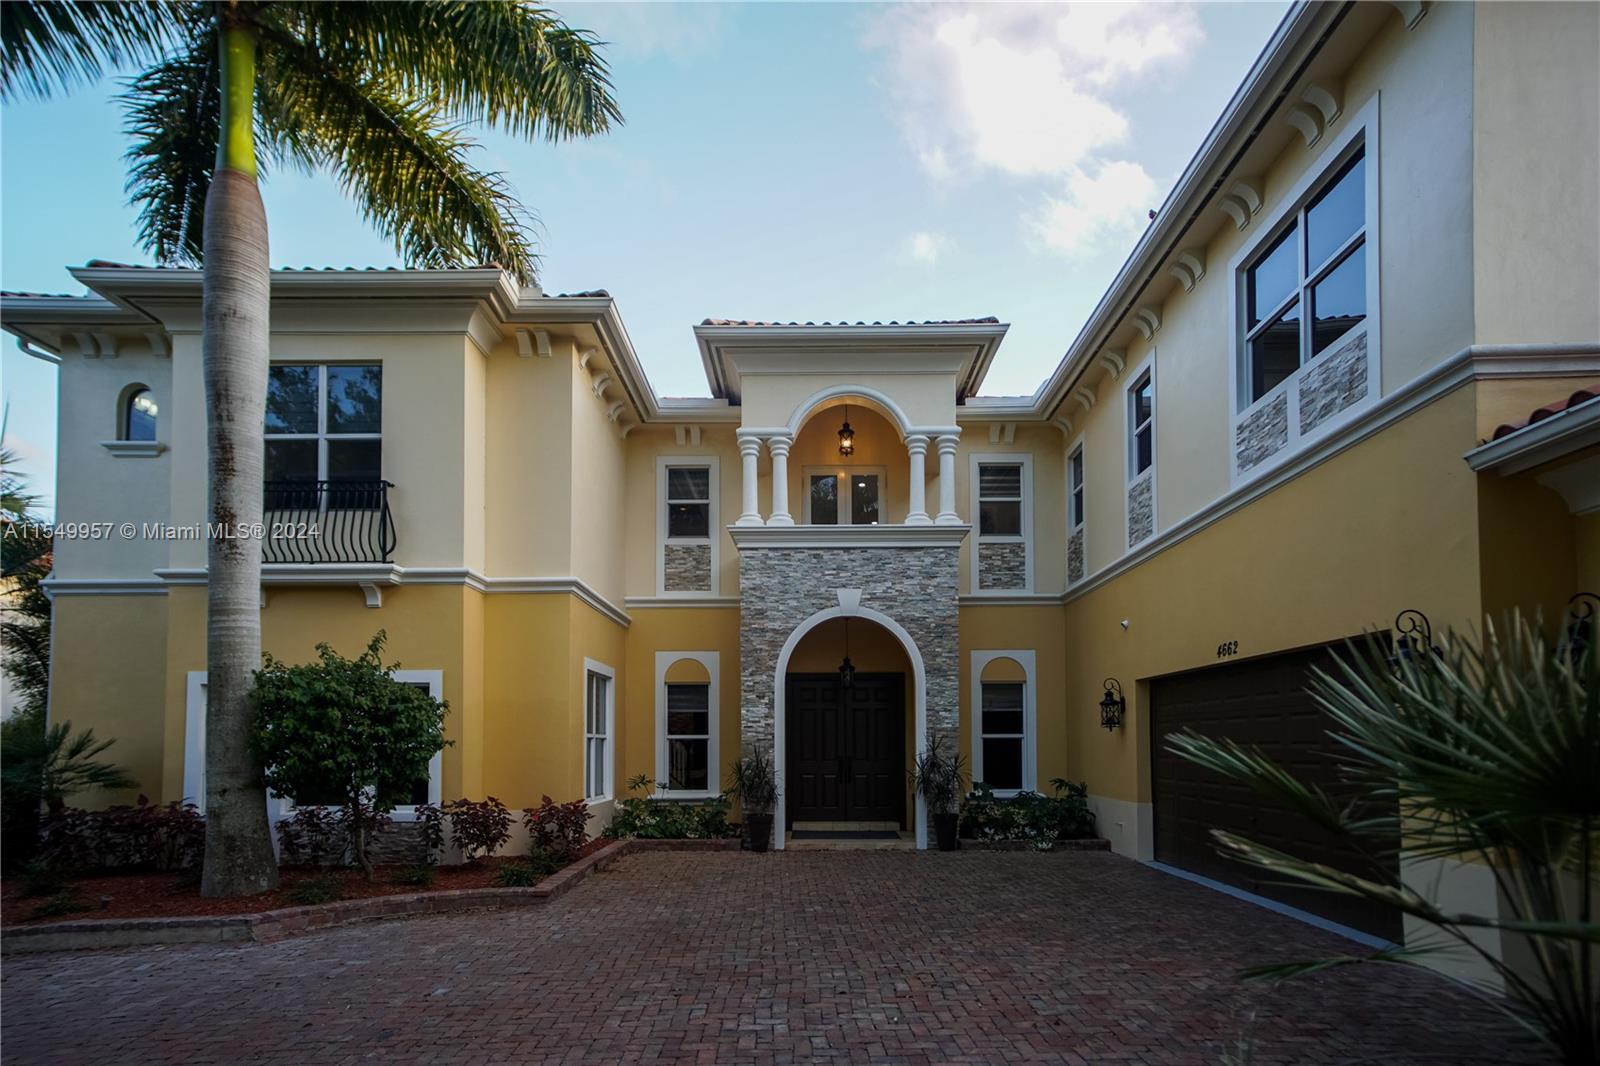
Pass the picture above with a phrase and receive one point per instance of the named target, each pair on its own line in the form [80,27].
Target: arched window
[139,417]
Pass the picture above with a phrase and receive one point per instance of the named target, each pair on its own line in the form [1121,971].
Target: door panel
[1262,703]
[846,748]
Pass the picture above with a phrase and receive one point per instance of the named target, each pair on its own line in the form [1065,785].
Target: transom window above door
[846,496]
[324,424]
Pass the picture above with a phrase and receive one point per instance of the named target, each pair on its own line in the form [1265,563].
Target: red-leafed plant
[145,836]
[478,829]
[557,830]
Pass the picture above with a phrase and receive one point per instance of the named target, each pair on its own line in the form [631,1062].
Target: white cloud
[927,247]
[1094,211]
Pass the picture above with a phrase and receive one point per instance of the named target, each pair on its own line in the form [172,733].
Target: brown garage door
[1262,702]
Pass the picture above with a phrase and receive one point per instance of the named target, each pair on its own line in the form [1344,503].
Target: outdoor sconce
[1412,631]
[1112,705]
[847,436]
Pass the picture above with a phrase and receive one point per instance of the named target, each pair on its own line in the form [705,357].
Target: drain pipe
[25,346]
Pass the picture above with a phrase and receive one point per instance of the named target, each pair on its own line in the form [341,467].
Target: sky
[778,161]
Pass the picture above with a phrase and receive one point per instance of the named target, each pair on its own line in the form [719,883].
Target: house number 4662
[1227,649]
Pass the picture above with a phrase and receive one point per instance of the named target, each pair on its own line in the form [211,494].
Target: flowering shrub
[145,836]
[478,829]
[1028,816]
[641,816]
[557,831]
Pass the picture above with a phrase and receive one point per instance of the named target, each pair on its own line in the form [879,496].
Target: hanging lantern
[847,436]
[847,669]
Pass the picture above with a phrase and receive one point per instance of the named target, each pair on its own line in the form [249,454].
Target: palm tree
[375,92]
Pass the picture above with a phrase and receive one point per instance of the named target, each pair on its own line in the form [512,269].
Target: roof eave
[1544,441]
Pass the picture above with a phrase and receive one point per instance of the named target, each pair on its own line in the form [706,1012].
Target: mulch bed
[171,895]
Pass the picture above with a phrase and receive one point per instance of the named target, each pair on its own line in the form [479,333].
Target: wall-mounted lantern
[847,669]
[1112,705]
[847,436]
[1413,633]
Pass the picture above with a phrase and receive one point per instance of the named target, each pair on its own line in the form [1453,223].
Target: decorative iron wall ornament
[1412,633]
[1583,613]
[1112,705]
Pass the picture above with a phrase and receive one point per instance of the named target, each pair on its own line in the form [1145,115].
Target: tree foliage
[1486,752]
[345,728]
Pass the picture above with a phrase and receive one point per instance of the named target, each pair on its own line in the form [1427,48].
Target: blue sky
[783,161]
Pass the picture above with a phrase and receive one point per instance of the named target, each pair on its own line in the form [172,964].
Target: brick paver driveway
[729,958]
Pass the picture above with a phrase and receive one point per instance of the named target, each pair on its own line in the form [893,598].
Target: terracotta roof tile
[988,320]
[1549,410]
[7,293]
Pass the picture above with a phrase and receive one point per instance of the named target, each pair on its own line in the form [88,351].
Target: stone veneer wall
[1141,510]
[1003,565]
[781,587]
[688,568]
[1262,433]
[1333,383]
[1075,562]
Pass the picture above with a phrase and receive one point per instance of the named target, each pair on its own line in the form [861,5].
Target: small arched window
[139,419]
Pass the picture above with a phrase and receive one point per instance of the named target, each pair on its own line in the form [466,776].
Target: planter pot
[759,829]
[944,829]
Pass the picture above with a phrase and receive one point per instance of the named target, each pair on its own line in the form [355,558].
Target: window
[1003,742]
[844,497]
[139,417]
[324,424]
[686,723]
[1000,499]
[1309,287]
[1075,489]
[688,503]
[597,716]
[1141,425]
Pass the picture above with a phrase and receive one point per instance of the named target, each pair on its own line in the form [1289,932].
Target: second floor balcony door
[846,496]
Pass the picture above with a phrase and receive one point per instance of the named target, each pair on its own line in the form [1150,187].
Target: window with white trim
[139,416]
[688,504]
[844,496]
[1000,501]
[597,719]
[1308,288]
[1141,424]
[324,424]
[1004,744]
[1075,499]
[1003,735]
[688,736]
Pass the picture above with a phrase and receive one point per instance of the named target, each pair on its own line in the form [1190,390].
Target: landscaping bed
[177,895]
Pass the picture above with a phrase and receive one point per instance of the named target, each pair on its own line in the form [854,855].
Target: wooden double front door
[846,748]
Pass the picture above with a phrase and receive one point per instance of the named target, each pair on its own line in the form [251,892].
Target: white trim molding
[134,449]
[1025,658]
[712,661]
[713,523]
[609,762]
[979,538]
[882,536]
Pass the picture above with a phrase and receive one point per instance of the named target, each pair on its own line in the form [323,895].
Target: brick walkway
[728,958]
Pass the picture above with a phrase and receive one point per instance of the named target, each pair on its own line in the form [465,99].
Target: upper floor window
[843,497]
[1075,489]
[688,502]
[1000,499]
[139,417]
[324,424]
[1141,425]
[1309,287]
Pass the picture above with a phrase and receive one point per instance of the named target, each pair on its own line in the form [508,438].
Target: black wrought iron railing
[328,522]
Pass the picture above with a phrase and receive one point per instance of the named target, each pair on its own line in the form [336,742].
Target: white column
[917,511]
[779,446]
[749,452]
[947,480]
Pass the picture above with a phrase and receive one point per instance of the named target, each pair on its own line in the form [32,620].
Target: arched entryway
[862,738]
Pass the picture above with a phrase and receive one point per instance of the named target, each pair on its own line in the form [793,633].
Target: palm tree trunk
[239,858]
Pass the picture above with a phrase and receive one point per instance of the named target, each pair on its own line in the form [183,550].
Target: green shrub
[517,875]
[1028,816]
[637,815]
[420,876]
[543,862]
[314,890]
[66,901]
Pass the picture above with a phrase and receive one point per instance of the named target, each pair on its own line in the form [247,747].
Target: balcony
[328,523]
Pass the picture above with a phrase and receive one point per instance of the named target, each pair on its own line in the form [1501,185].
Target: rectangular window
[324,424]
[596,736]
[843,497]
[1075,489]
[1002,734]
[688,502]
[1000,499]
[1309,287]
[1141,425]
[688,737]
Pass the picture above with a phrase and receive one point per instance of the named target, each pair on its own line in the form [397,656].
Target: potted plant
[757,789]
[939,778]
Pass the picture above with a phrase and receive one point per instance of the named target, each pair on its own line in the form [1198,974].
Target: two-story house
[1277,430]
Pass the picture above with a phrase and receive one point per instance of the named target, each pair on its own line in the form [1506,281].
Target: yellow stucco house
[1276,431]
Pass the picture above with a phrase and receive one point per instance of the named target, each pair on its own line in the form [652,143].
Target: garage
[1261,702]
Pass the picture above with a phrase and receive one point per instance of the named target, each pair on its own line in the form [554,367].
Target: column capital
[948,443]
[917,443]
[780,445]
[750,446]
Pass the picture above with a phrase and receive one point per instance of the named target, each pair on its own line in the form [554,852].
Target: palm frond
[46,45]
[401,160]
[174,119]
[508,64]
